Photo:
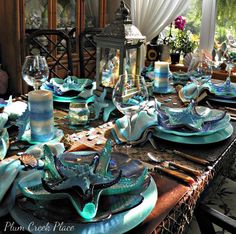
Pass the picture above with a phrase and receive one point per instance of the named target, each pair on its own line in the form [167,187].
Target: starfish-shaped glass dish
[84,179]
[192,118]
[226,90]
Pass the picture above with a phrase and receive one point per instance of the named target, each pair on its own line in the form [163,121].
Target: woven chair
[218,213]
[55,45]
[87,51]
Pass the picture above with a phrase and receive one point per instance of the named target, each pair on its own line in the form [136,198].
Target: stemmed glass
[200,70]
[231,60]
[130,96]
[35,71]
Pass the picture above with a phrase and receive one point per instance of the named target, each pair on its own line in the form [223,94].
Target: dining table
[177,199]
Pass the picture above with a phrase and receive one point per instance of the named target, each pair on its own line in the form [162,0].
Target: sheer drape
[152,16]
[207,32]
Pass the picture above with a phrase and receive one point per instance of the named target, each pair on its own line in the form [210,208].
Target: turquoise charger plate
[57,137]
[197,140]
[117,213]
[67,99]
[117,223]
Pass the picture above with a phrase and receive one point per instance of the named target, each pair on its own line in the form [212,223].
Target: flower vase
[175,57]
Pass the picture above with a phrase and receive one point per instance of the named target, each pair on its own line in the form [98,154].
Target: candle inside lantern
[161,72]
[41,115]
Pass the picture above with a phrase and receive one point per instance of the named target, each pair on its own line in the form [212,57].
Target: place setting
[71,89]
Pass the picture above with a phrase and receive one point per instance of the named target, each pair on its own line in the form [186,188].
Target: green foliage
[183,41]
[225,21]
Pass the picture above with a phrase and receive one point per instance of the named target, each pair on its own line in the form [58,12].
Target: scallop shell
[29,160]
[187,59]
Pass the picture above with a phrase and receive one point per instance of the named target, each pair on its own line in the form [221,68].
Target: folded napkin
[11,111]
[142,124]
[12,170]
[192,91]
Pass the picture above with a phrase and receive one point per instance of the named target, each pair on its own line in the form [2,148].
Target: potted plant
[183,41]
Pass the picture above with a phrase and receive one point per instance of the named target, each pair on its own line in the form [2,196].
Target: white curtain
[207,31]
[152,16]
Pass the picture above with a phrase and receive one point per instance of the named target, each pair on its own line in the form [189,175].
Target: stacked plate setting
[193,125]
[223,92]
[71,89]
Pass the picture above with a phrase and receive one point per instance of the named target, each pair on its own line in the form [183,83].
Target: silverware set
[181,172]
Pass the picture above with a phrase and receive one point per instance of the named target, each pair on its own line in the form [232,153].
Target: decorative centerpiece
[118,51]
[41,115]
[161,80]
[97,189]
[35,72]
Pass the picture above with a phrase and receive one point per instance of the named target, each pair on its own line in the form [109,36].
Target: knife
[174,165]
[184,168]
[176,174]
[189,157]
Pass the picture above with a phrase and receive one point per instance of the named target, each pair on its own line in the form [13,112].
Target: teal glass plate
[117,223]
[215,127]
[68,99]
[116,213]
[196,140]
[57,137]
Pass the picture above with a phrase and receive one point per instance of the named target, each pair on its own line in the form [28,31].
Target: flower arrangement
[180,22]
[183,40]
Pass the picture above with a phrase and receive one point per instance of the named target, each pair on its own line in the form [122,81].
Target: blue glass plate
[215,127]
[167,90]
[197,140]
[117,223]
[57,137]
[116,212]
[68,99]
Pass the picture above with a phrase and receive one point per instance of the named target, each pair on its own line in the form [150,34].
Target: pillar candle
[161,73]
[41,115]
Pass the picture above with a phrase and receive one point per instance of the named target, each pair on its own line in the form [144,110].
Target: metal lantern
[118,51]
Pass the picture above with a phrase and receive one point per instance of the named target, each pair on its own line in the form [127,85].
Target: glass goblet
[130,96]
[35,71]
[201,72]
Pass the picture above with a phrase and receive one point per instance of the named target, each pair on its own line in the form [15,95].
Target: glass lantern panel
[36,14]
[66,14]
[92,14]
[131,61]
[109,66]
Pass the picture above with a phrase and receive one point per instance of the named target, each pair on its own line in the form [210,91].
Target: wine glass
[231,60]
[35,71]
[130,96]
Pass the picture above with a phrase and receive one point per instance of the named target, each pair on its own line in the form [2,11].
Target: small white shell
[187,59]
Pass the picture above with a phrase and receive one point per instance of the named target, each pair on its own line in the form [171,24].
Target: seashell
[187,59]
[29,160]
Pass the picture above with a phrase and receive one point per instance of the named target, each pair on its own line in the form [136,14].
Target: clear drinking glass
[130,96]
[35,70]
[78,113]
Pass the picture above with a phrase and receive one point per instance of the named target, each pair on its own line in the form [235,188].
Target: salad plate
[207,130]
[196,140]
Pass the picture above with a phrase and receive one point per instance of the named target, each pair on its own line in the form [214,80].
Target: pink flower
[180,22]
